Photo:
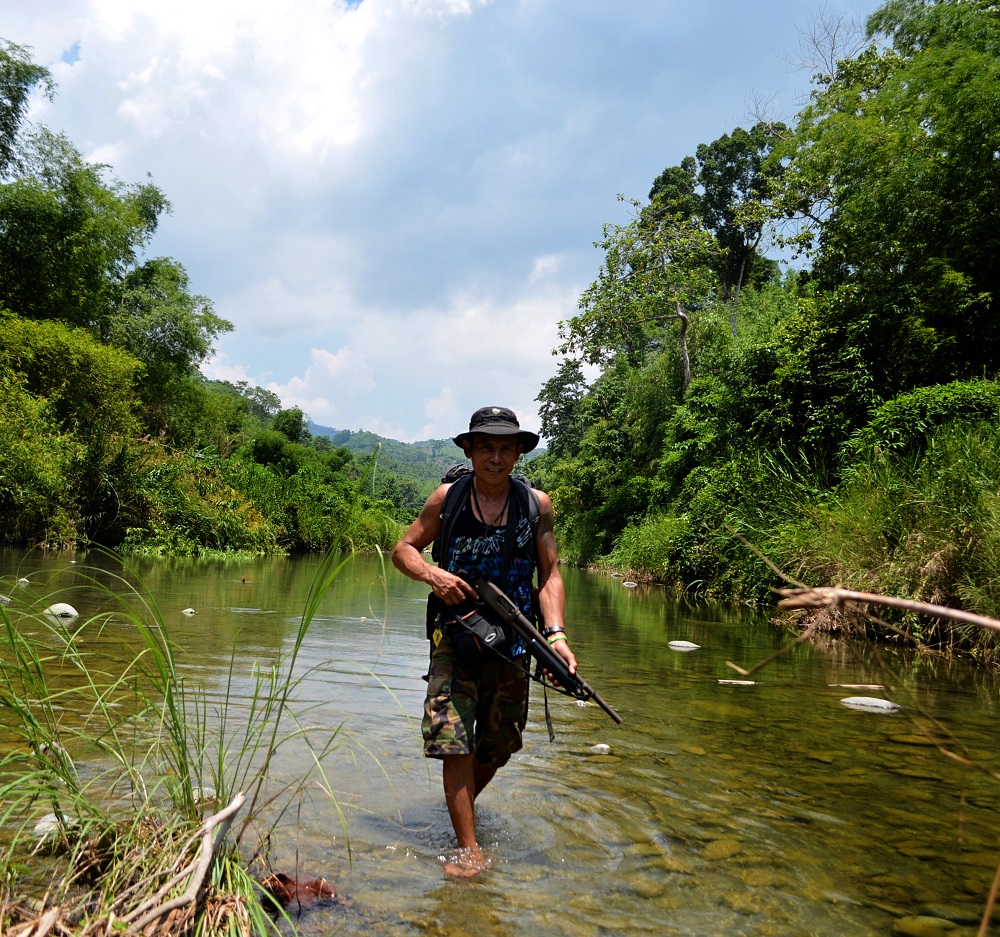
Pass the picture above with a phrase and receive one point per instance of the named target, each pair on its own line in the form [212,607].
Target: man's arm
[407,555]
[551,595]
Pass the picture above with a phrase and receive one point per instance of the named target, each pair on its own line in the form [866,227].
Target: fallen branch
[197,869]
[834,596]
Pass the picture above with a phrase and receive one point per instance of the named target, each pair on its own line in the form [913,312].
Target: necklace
[479,510]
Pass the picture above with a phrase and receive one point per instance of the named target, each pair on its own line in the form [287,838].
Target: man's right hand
[449,588]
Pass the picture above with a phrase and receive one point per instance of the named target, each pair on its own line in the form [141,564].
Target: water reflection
[764,809]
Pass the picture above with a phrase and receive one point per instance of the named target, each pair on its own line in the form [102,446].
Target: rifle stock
[538,647]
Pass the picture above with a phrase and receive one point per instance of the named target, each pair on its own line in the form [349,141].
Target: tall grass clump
[134,801]
[690,546]
[921,523]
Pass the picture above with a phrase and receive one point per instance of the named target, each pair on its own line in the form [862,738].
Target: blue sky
[395,201]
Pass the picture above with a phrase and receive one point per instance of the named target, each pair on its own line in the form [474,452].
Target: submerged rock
[919,925]
[600,749]
[870,704]
[5,600]
[723,849]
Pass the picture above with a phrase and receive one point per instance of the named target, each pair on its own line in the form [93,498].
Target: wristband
[555,629]
[558,637]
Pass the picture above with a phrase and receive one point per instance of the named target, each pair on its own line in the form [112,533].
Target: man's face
[493,457]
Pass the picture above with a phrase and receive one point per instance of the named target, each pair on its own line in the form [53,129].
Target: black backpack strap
[453,500]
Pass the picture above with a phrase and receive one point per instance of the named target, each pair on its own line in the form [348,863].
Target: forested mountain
[844,417]
[423,462]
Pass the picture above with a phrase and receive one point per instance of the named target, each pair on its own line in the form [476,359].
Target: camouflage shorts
[482,715]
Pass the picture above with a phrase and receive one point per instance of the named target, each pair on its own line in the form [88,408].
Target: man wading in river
[500,529]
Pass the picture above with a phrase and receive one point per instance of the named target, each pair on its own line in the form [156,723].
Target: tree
[729,186]
[68,239]
[893,171]
[291,424]
[654,268]
[560,398]
[163,324]
[19,76]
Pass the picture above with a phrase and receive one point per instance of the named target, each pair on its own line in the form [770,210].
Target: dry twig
[197,869]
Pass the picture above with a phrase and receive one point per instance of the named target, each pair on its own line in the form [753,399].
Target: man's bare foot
[467,863]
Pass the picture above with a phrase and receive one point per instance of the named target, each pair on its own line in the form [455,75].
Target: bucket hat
[496,421]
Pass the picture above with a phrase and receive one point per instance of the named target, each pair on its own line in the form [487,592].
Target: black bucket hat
[496,421]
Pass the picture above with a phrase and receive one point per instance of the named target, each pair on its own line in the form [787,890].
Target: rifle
[569,683]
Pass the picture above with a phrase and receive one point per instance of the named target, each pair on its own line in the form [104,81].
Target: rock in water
[683,646]
[922,926]
[5,600]
[600,749]
[285,889]
[62,610]
[870,704]
[628,584]
[188,611]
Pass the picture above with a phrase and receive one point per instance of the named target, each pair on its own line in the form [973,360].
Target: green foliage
[730,186]
[291,425]
[921,523]
[68,238]
[908,422]
[81,378]
[188,505]
[845,422]
[653,269]
[33,461]
[894,163]
[19,76]
[560,399]
[163,325]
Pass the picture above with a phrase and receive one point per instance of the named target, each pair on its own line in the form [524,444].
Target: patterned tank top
[476,549]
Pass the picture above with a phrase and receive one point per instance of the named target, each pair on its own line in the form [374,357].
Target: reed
[156,801]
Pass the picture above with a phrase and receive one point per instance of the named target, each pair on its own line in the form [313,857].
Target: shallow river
[770,809]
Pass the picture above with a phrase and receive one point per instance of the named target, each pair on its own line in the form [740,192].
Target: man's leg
[483,776]
[463,775]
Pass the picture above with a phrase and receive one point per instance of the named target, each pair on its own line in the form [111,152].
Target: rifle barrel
[502,604]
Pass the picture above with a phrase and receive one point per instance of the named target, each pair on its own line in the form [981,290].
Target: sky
[395,202]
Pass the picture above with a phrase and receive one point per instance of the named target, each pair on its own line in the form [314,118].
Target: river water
[717,808]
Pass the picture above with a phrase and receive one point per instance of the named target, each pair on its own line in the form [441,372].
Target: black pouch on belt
[473,636]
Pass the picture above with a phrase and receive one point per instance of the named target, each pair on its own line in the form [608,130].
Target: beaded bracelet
[558,637]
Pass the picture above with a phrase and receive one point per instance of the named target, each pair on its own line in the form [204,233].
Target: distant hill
[424,461]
